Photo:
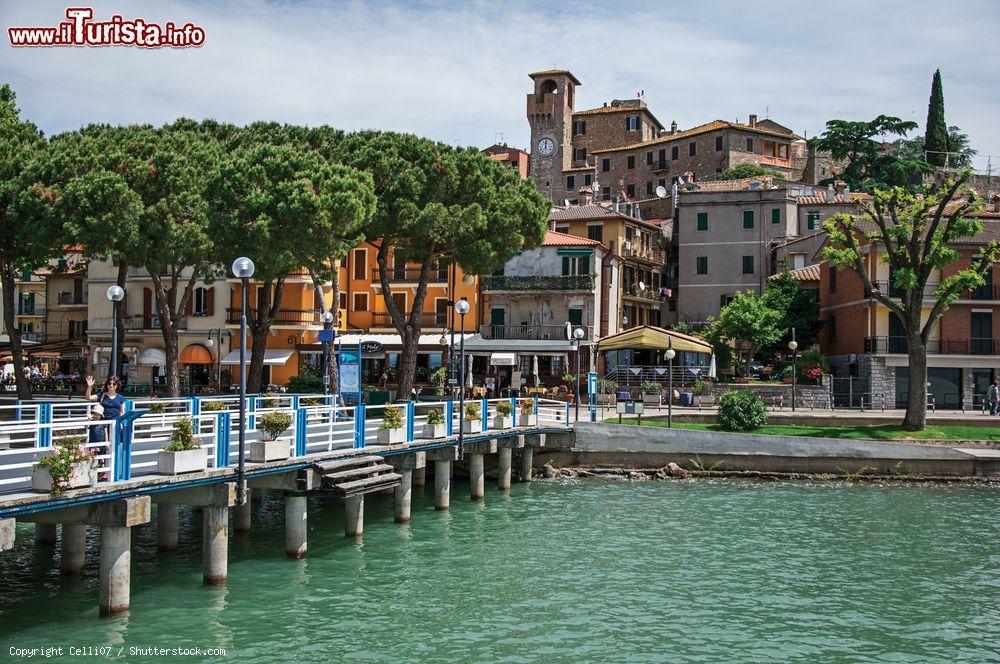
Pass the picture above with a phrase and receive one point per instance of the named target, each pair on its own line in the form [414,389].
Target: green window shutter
[701,265]
[585,265]
[776,215]
[748,265]
[702,221]
[811,220]
[747,218]
[565,265]
[576,316]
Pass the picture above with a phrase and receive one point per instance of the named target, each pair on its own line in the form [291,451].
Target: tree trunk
[171,351]
[408,364]
[916,403]
[7,277]
[255,370]
[331,358]
[171,312]
[119,319]
[259,324]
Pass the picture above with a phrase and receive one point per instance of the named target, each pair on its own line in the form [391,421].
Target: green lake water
[564,571]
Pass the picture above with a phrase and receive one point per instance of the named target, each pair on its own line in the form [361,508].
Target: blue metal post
[17,411]
[301,430]
[123,444]
[295,402]
[449,416]
[513,412]
[567,412]
[44,418]
[251,409]
[223,434]
[486,413]
[359,426]
[195,406]
[410,414]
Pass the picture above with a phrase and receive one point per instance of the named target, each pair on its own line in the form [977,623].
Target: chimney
[586,195]
[847,193]
[831,194]
[840,185]
[753,119]
[673,127]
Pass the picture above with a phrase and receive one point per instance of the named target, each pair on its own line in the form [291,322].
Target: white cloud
[458,71]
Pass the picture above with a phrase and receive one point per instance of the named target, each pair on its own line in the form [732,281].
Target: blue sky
[457,71]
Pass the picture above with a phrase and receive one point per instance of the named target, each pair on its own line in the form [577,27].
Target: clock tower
[550,114]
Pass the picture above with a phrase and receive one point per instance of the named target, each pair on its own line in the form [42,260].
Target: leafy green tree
[914,235]
[751,321]
[870,164]
[741,171]
[936,132]
[29,237]
[960,150]
[798,308]
[436,203]
[288,209]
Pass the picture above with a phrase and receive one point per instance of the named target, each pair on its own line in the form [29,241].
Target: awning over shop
[198,354]
[647,337]
[272,357]
[394,340]
[502,360]
[153,357]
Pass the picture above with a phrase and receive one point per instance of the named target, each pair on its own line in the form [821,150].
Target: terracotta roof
[579,169]
[553,72]
[820,199]
[990,232]
[611,109]
[807,273]
[556,239]
[801,238]
[741,184]
[714,125]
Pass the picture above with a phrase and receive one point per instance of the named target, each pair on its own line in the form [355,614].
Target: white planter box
[391,436]
[434,431]
[705,400]
[84,473]
[651,399]
[502,422]
[472,426]
[262,451]
[187,461]
[526,419]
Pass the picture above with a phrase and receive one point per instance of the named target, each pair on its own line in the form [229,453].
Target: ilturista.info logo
[81,30]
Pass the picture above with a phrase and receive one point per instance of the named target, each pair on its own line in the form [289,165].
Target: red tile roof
[714,125]
[555,72]
[556,239]
[741,184]
[807,273]
[820,199]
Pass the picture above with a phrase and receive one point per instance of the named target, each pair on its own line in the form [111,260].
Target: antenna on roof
[498,137]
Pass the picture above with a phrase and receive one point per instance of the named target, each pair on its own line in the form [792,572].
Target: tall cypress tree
[936,137]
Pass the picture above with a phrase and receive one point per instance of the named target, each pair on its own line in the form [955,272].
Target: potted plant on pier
[527,416]
[473,420]
[182,454]
[271,447]
[436,427]
[610,388]
[702,393]
[390,429]
[786,374]
[69,466]
[503,419]
[568,379]
[212,406]
[652,393]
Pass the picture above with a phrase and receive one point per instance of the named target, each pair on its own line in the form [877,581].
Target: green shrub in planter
[610,386]
[527,406]
[434,416]
[156,408]
[69,466]
[207,406]
[652,387]
[274,424]
[312,401]
[741,411]
[392,418]
[701,387]
[472,411]
[182,437]
[504,408]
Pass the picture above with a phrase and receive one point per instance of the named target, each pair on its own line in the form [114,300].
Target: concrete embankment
[612,445]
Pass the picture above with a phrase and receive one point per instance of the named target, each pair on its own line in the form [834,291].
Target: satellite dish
[642,286]
[661,191]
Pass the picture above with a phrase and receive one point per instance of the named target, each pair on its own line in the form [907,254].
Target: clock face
[546,147]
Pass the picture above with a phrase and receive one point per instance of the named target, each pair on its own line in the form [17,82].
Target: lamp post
[327,318]
[243,269]
[116,294]
[578,334]
[793,346]
[670,382]
[443,343]
[462,308]
[217,332]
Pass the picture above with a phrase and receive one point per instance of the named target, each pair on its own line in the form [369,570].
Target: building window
[573,265]
[649,187]
[606,193]
[749,145]
[702,221]
[579,127]
[630,191]
[718,144]
[575,316]
[343,300]
[570,181]
[832,278]
[812,220]
[588,179]
[701,265]
[662,182]
[361,301]
[692,148]
[748,265]
[674,154]
[596,232]
[606,165]
[631,161]
[649,158]
[201,304]
[580,154]
[563,228]
[831,328]
[775,215]
[632,123]
[360,263]
[747,218]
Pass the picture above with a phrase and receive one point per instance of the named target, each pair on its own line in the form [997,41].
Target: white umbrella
[468,380]
[712,371]
[534,370]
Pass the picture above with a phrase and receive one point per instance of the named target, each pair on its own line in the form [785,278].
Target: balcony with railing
[427,319]
[661,165]
[410,275]
[136,322]
[24,309]
[984,292]
[641,253]
[67,299]
[541,283]
[647,294]
[896,345]
[890,289]
[530,332]
[283,317]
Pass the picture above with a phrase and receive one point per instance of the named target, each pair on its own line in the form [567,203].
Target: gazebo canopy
[648,337]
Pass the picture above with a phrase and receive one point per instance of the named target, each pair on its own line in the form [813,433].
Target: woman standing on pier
[109,399]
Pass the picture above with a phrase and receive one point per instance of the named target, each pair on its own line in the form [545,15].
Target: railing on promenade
[130,448]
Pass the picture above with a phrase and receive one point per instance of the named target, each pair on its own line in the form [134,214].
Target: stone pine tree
[936,134]
[288,209]
[913,235]
[440,203]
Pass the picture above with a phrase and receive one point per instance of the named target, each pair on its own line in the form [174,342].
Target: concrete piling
[477,476]
[402,496]
[73,548]
[503,476]
[115,569]
[527,460]
[45,533]
[241,513]
[442,484]
[354,516]
[296,522]
[8,533]
[215,554]
[167,518]
[420,469]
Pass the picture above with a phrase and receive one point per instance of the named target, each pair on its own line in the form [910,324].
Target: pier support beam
[354,516]
[442,458]
[241,513]
[402,497]
[296,515]
[115,569]
[420,469]
[527,460]
[215,554]
[45,533]
[167,520]
[8,530]
[73,548]
[503,472]
[477,480]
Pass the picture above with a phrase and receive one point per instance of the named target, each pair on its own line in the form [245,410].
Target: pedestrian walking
[993,397]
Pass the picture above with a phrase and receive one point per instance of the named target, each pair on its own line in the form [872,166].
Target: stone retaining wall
[806,396]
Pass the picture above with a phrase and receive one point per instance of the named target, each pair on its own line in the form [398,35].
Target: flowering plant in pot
[503,419]
[271,447]
[182,454]
[390,429]
[212,406]
[473,420]
[69,466]
[436,427]
[527,416]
